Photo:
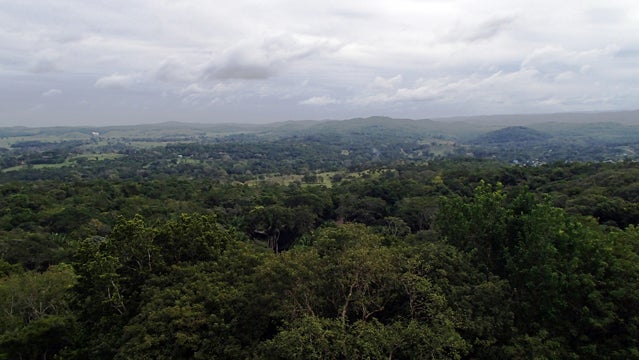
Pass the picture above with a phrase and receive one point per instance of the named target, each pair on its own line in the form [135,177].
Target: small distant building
[95,134]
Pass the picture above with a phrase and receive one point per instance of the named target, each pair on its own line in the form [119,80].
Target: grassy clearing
[275,179]
[439,147]
[96,157]
[189,161]
[7,141]
[327,178]
[36,166]
[69,162]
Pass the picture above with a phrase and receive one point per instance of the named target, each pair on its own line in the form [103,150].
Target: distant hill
[544,138]
[511,134]
[608,132]
[622,117]
[377,126]
[610,127]
[372,126]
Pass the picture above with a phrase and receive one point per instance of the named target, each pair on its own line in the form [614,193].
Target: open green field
[36,166]
[69,162]
[96,157]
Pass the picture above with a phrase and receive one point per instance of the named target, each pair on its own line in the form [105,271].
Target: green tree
[36,321]
[114,271]
[563,270]
[479,225]
[346,295]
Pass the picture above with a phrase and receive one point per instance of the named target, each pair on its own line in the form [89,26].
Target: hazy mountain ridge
[630,117]
[578,129]
[452,126]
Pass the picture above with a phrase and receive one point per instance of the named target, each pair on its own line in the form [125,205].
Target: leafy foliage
[36,317]
[342,243]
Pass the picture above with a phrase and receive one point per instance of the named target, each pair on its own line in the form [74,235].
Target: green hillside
[512,134]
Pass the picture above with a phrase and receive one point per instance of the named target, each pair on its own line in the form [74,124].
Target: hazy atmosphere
[66,62]
[319,180]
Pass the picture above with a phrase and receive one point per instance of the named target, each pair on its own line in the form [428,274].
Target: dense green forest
[349,242]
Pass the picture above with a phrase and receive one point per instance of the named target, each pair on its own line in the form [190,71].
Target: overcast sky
[65,62]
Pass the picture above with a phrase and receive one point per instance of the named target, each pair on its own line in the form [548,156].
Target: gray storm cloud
[263,59]
[483,31]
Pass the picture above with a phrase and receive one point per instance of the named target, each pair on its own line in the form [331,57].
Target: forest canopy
[252,248]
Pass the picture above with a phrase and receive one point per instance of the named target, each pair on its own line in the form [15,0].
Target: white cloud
[319,101]
[197,94]
[360,56]
[42,66]
[553,60]
[262,59]
[52,93]
[387,83]
[483,31]
[116,81]
[44,61]
[172,70]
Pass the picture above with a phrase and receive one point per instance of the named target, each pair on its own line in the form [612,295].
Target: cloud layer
[142,61]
